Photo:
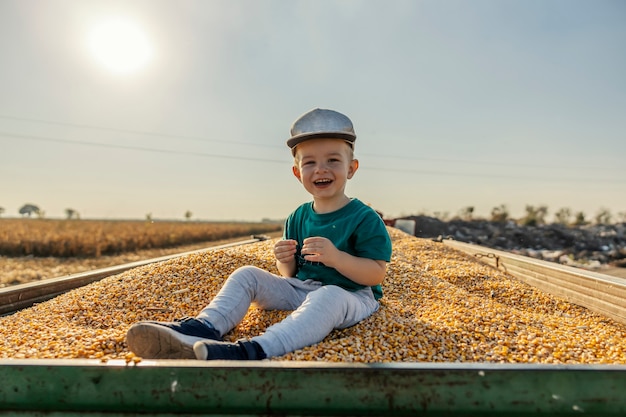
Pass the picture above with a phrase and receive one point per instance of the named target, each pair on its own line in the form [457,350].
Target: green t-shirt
[355,228]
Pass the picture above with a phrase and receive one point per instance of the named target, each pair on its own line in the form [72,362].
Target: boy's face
[324,166]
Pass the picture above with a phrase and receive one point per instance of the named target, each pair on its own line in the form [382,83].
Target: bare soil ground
[21,270]
[613,271]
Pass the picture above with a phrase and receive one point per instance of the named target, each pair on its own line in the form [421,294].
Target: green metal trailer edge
[168,387]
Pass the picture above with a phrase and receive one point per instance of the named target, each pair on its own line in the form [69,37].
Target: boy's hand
[319,249]
[284,250]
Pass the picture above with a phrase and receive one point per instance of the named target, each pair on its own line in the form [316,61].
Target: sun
[120,45]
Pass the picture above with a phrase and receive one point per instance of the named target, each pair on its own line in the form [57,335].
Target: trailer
[91,387]
[168,388]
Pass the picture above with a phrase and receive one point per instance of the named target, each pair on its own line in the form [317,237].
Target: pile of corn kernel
[439,305]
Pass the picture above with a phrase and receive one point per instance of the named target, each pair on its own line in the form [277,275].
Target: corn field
[94,238]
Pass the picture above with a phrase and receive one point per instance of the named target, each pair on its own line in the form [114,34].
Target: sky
[123,109]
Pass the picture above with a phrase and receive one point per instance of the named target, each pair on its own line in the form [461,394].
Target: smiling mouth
[322,182]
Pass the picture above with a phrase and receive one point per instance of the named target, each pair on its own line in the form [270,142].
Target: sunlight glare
[120,46]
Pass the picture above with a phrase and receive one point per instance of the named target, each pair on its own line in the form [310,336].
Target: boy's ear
[354,165]
[296,172]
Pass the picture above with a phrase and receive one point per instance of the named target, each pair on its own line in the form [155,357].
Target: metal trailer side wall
[78,387]
[601,293]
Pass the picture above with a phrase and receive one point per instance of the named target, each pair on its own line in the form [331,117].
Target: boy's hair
[321,123]
[349,145]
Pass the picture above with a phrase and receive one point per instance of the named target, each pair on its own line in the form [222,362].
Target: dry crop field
[35,249]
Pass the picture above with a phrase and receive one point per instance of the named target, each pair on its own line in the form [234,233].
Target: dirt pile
[589,246]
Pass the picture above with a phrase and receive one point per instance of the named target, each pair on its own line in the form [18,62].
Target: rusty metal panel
[76,387]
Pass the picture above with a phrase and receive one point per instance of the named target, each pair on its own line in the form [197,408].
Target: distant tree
[534,216]
[149,217]
[621,217]
[71,214]
[29,210]
[1,211]
[563,216]
[466,213]
[579,219]
[500,214]
[603,216]
[188,215]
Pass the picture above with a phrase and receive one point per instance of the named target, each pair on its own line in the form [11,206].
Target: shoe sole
[201,352]
[153,341]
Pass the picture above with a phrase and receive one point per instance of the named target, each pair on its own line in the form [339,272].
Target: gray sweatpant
[317,309]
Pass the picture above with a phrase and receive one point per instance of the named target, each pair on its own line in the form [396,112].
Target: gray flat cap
[321,123]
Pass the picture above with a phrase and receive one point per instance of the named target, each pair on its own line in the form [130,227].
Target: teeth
[322,181]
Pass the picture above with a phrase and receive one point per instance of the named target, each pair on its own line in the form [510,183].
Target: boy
[332,260]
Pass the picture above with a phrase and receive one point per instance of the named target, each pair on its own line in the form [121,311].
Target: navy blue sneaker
[168,340]
[242,350]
